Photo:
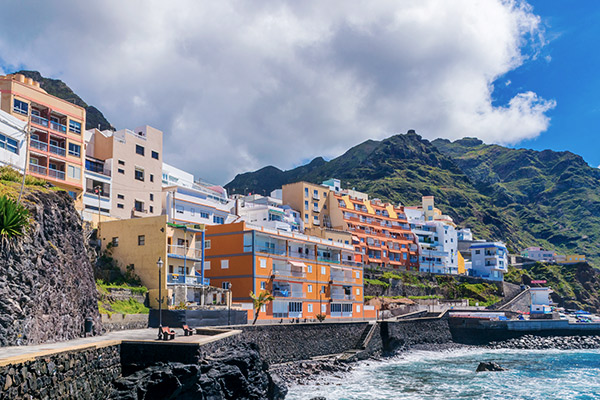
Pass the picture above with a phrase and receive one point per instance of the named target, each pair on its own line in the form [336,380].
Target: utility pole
[27,134]
[97,191]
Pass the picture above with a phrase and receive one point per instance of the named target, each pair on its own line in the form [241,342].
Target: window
[119,205]
[139,174]
[193,211]
[139,149]
[429,208]
[121,162]
[120,197]
[203,214]
[358,308]
[138,205]
[151,177]
[151,196]
[305,205]
[74,126]
[477,251]
[224,264]
[309,288]
[316,194]
[207,244]
[9,144]
[218,220]
[322,289]
[357,291]
[263,285]
[74,172]
[306,218]
[357,274]
[151,209]
[206,265]
[20,107]
[155,154]
[141,240]
[115,242]
[179,209]
[323,308]
[263,263]
[309,268]
[310,308]
[263,308]
[97,187]
[225,285]
[323,271]
[305,192]
[120,170]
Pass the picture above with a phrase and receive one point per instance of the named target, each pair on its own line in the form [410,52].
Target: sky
[237,85]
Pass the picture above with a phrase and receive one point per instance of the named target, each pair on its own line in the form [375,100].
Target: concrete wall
[404,334]
[121,322]
[78,374]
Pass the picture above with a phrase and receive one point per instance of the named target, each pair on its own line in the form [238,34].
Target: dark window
[119,205]
[21,107]
[97,187]
[120,197]
[115,242]
[151,177]
[139,174]
[121,171]
[121,162]
[151,209]
[139,149]
[155,154]
[74,126]
[74,150]
[151,197]
[141,240]
[139,205]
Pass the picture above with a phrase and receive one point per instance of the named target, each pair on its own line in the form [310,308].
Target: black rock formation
[234,373]
[47,286]
[489,366]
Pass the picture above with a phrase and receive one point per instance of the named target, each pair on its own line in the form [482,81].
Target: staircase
[361,344]
[521,296]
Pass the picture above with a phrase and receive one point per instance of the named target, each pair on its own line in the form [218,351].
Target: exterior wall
[570,259]
[51,133]
[126,189]
[143,257]
[489,260]
[12,141]
[260,259]
[308,199]
[538,254]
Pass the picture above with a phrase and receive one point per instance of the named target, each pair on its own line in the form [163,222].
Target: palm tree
[262,299]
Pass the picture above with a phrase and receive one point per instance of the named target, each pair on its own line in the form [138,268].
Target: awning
[355,238]
[297,264]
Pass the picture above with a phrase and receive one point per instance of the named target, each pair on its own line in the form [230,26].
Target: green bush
[134,289]
[376,282]
[12,175]
[130,306]
[14,218]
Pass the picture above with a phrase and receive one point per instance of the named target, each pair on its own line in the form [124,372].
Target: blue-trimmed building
[489,260]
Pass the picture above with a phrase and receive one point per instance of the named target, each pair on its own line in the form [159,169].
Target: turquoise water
[532,374]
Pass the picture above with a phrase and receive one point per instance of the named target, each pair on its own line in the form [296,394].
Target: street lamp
[159,264]
[230,298]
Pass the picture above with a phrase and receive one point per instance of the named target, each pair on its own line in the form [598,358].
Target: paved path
[18,354]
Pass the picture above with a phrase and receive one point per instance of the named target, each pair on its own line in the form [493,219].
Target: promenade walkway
[18,354]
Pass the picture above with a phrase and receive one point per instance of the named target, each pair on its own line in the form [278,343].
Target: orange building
[56,134]
[306,275]
[380,231]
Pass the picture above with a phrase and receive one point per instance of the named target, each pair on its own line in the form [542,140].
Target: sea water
[531,374]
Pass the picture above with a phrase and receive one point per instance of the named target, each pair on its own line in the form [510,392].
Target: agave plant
[14,218]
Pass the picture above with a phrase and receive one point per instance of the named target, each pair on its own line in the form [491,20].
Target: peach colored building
[133,161]
[55,149]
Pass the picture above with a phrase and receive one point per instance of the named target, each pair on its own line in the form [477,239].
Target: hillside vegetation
[522,197]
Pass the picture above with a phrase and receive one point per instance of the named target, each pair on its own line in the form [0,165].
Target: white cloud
[236,86]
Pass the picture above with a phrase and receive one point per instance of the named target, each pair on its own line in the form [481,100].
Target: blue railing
[36,119]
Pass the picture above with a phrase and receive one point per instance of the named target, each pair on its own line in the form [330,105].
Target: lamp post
[159,264]
[229,301]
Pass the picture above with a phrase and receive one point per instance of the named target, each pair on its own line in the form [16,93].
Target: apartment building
[268,212]
[489,260]
[380,231]
[133,161]
[56,132]
[188,201]
[305,274]
[437,237]
[538,254]
[570,258]
[12,141]
[136,244]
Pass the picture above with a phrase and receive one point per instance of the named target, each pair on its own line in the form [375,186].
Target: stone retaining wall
[406,333]
[121,322]
[78,374]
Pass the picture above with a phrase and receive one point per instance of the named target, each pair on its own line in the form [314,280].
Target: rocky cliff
[47,286]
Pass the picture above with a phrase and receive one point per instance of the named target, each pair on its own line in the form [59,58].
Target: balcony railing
[55,126]
[295,254]
[57,150]
[329,260]
[184,251]
[289,272]
[275,250]
[342,276]
[341,296]
[36,144]
[287,293]
[54,173]
[341,314]
[183,279]
[37,169]
[36,119]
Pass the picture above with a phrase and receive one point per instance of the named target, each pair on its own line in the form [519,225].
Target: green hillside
[56,87]
[522,197]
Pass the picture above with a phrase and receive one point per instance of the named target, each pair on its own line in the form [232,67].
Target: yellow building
[56,132]
[569,259]
[138,243]
[309,199]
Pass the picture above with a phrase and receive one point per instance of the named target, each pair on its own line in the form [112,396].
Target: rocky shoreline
[530,342]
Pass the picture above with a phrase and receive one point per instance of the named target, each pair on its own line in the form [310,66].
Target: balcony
[36,119]
[280,251]
[56,174]
[287,293]
[329,260]
[338,275]
[316,209]
[183,279]
[315,196]
[289,271]
[37,169]
[341,296]
[180,251]
[58,127]
[60,151]
[36,144]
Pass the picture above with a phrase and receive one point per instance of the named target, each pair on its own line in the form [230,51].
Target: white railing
[54,173]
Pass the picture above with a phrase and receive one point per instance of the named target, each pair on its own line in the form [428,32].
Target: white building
[186,201]
[538,254]
[268,212]
[12,141]
[97,201]
[464,234]
[438,242]
[540,300]
[489,260]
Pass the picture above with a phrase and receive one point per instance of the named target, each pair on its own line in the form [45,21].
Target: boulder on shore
[489,366]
